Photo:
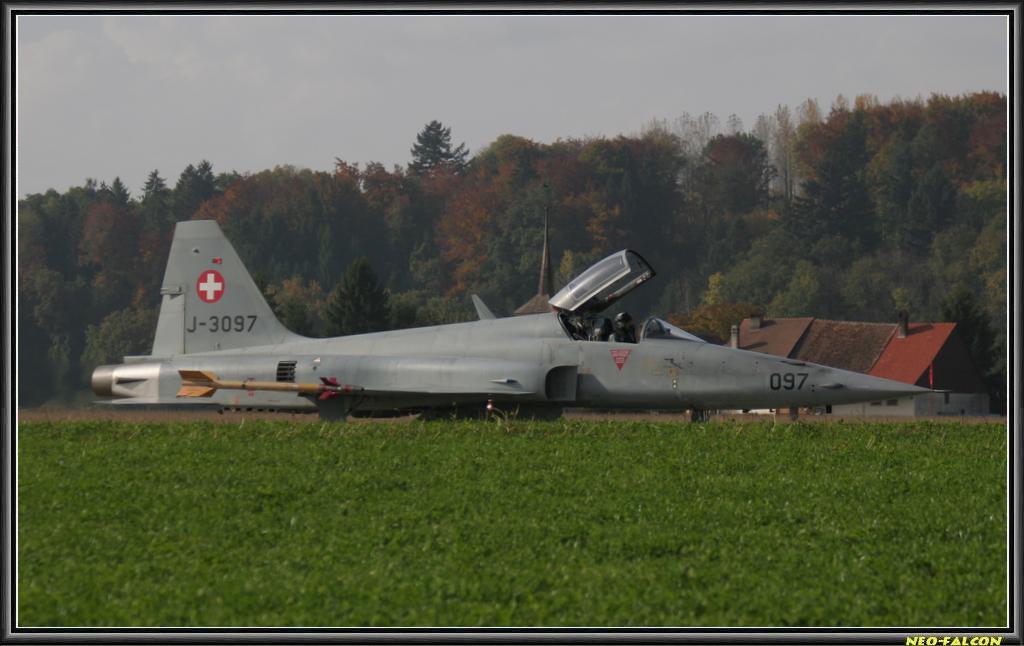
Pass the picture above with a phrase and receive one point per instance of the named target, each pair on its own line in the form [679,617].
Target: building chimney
[903,324]
[734,336]
[755,322]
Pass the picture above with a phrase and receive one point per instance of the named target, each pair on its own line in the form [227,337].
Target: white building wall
[902,407]
[930,404]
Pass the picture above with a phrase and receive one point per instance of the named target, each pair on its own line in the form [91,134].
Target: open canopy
[603,283]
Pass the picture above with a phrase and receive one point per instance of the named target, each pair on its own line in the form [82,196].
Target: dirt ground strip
[148,415]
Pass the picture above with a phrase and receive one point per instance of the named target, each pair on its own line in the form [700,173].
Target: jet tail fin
[209,300]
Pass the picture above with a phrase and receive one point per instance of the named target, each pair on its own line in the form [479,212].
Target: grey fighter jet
[218,344]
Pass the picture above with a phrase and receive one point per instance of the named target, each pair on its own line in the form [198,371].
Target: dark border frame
[1010,634]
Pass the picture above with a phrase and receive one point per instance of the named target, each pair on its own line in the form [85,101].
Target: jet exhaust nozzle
[103,381]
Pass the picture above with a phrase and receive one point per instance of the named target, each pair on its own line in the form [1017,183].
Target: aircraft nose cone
[882,387]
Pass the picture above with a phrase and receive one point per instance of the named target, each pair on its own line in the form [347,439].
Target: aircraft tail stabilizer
[209,300]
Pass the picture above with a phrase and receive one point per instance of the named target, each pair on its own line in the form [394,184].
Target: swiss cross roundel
[210,286]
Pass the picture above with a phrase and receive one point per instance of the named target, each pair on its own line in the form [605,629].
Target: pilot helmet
[623,318]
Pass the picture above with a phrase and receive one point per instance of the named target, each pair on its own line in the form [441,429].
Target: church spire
[539,303]
[544,286]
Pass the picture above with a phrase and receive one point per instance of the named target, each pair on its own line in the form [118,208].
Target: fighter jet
[218,344]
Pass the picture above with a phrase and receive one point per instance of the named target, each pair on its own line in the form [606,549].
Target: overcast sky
[106,96]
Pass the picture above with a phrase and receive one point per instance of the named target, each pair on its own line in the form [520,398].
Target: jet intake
[560,384]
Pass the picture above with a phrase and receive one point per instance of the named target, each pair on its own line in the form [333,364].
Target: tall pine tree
[358,304]
[835,200]
[156,202]
[119,193]
[433,150]
[976,329]
[195,185]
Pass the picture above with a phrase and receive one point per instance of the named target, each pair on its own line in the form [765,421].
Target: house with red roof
[931,355]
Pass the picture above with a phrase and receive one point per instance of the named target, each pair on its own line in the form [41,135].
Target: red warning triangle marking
[620,357]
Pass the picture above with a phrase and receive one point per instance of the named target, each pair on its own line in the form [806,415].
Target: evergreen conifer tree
[156,199]
[433,150]
[975,328]
[119,192]
[195,185]
[358,304]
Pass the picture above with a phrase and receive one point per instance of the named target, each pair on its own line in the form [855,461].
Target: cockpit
[579,303]
[655,328]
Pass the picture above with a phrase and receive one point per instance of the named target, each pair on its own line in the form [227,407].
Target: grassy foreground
[475,524]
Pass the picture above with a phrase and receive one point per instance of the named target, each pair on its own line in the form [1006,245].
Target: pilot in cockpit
[601,331]
[624,330]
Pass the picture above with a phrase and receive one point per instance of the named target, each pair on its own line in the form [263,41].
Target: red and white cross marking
[210,286]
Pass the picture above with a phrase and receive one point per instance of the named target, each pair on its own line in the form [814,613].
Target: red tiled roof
[776,336]
[907,359]
[850,345]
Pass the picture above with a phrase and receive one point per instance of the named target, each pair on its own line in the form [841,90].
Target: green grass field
[479,524]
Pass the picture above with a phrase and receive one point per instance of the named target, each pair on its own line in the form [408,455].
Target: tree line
[855,213]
